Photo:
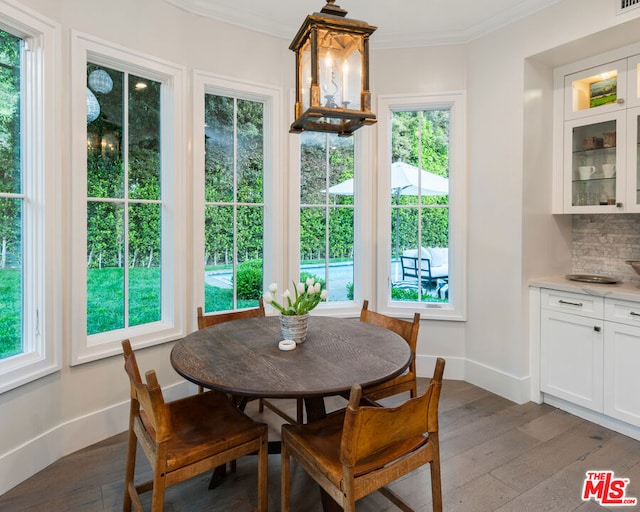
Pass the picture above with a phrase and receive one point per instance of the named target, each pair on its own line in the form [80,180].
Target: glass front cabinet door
[633,160]
[591,164]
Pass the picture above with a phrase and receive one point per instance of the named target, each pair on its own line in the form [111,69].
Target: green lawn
[221,299]
[10,312]
[105,302]
[105,308]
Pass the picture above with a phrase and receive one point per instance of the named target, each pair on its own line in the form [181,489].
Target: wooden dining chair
[355,452]
[185,437]
[218,318]
[408,331]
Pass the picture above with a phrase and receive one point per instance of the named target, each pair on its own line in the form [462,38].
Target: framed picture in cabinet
[603,92]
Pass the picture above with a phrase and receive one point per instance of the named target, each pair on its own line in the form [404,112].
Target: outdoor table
[242,358]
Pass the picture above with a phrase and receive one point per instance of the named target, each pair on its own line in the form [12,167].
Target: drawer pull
[633,313]
[579,304]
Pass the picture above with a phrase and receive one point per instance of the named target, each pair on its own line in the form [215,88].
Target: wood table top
[242,357]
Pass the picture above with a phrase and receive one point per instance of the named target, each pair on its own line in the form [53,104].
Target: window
[29,198]
[234,202]
[423,205]
[235,190]
[327,212]
[124,200]
[129,251]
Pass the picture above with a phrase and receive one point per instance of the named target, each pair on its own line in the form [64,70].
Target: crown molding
[285,24]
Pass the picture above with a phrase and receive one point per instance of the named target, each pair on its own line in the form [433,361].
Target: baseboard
[517,389]
[36,454]
[454,368]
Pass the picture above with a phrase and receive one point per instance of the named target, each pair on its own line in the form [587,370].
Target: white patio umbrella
[406,180]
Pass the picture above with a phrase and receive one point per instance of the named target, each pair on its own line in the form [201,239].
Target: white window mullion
[327,212]
[234,256]
[125,193]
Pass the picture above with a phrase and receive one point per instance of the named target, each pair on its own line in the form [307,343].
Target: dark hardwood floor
[497,456]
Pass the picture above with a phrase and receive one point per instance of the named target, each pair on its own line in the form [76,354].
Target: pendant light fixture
[332,73]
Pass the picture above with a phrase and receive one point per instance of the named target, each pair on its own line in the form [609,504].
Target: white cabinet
[621,358]
[596,135]
[589,353]
[571,345]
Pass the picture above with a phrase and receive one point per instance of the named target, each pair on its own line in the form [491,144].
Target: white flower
[307,296]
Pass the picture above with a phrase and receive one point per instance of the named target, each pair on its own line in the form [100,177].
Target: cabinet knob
[620,101]
[619,205]
[596,328]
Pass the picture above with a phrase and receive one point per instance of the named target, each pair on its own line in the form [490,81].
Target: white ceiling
[401,23]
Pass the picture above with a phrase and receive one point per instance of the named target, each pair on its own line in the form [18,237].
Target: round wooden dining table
[242,358]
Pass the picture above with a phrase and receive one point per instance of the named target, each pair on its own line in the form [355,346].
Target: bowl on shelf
[635,264]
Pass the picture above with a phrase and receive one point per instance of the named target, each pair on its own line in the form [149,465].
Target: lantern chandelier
[332,73]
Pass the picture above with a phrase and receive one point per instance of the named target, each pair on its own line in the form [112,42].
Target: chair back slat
[147,397]
[218,318]
[405,329]
[368,430]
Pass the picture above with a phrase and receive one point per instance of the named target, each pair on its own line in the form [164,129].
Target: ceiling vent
[624,6]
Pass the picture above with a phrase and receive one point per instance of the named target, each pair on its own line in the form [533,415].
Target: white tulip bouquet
[307,296]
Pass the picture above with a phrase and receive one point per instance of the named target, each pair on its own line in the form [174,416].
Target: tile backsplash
[602,243]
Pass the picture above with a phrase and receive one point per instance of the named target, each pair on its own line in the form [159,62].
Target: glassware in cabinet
[592,164]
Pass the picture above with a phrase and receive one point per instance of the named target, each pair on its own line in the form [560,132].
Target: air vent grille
[627,5]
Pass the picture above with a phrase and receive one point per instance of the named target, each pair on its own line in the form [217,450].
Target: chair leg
[285,475]
[157,494]
[130,467]
[260,405]
[263,472]
[436,480]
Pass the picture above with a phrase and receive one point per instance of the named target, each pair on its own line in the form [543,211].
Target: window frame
[363,260]
[455,309]
[274,193]
[41,191]
[85,348]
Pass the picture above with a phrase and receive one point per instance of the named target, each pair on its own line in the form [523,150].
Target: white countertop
[623,290]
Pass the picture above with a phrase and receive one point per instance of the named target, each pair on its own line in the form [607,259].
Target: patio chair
[429,266]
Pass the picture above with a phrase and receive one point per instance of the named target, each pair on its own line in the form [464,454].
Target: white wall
[511,235]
